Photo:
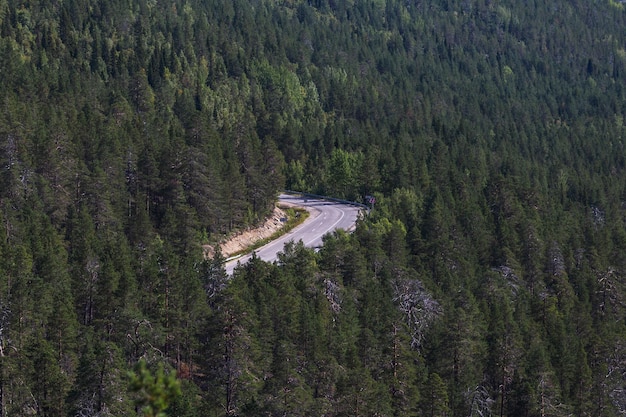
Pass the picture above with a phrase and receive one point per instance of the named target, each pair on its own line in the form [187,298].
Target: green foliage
[155,391]
[486,280]
[343,173]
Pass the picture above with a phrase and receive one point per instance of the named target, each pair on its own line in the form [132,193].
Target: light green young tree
[154,392]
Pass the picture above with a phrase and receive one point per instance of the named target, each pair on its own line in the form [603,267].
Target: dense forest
[489,279]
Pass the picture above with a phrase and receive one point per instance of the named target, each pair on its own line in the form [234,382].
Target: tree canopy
[488,278]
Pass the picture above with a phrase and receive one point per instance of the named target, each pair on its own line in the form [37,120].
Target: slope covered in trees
[488,280]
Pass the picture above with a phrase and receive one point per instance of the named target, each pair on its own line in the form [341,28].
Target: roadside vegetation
[294,217]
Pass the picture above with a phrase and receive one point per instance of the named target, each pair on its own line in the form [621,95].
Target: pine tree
[435,397]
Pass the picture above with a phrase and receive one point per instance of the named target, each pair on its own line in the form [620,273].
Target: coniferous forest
[489,279]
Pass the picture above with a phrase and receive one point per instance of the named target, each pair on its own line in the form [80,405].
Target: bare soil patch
[249,237]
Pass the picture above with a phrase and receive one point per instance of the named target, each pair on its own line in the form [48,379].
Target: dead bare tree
[418,306]
[616,377]
[480,402]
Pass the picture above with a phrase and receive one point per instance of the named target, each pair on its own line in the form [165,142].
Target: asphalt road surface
[325,217]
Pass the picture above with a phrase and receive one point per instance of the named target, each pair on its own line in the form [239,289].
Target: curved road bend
[324,217]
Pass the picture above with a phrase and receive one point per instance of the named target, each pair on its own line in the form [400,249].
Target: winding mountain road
[324,217]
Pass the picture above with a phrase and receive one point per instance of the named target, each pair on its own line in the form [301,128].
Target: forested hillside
[488,280]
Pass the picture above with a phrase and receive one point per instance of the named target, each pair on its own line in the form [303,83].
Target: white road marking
[281,241]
